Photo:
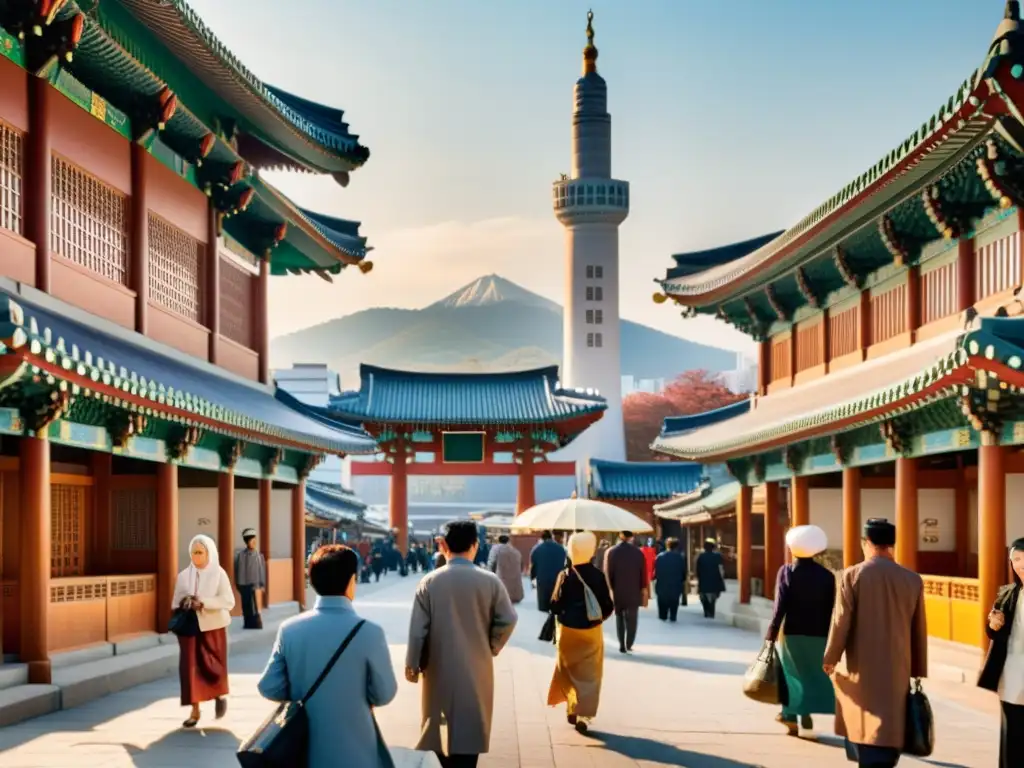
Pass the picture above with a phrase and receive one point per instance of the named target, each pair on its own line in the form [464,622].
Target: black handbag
[761,682]
[547,632]
[282,741]
[919,739]
[184,623]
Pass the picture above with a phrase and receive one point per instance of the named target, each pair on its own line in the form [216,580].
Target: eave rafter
[48,41]
[949,220]
[892,241]
[846,271]
[1001,176]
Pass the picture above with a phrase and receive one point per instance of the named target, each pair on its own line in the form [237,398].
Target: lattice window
[939,293]
[844,332]
[10,179]
[79,592]
[236,302]
[134,524]
[89,223]
[175,269]
[67,535]
[998,266]
[136,585]
[888,314]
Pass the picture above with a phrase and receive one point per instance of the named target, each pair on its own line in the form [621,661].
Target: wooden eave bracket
[946,223]
[896,436]
[40,411]
[181,439]
[999,175]
[773,301]
[806,289]
[794,457]
[842,264]
[892,241]
[48,42]
[841,449]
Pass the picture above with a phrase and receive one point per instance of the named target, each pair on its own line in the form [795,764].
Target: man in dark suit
[626,570]
[670,580]
[547,560]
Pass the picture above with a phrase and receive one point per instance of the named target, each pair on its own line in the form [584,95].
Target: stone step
[12,675]
[27,701]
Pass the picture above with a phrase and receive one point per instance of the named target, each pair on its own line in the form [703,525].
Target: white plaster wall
[827,514]
[933,503]
[938,504]
[197,514]
[877,502]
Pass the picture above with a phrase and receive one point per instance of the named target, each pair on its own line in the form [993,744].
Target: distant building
[743,378]
[631,385]
[314,384]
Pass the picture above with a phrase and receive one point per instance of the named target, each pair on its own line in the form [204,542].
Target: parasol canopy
[579,515]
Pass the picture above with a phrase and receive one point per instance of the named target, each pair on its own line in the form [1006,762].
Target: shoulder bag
[919,739]
[185,621]
[282,741]
[594,612]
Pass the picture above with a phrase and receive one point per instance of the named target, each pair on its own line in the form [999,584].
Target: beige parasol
[579,515]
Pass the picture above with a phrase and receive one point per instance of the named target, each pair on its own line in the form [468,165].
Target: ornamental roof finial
[590,51]
[1012,10]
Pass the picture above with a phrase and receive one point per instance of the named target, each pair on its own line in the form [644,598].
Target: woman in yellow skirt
[581,602]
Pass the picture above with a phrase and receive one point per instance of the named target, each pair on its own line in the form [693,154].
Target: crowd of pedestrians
[848,644]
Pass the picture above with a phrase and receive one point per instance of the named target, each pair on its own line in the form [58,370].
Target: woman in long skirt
[805,593]
[1004,665]
[203,664]
[579,667]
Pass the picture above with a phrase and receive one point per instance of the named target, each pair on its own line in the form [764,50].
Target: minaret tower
[591,205]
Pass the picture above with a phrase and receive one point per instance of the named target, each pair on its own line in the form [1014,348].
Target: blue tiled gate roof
[642,480]
[674,425]
[518,397]
[169,381]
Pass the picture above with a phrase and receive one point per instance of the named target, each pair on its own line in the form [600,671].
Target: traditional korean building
[137,238]
[335,509]
[638,486]
[462,424]
[891,347]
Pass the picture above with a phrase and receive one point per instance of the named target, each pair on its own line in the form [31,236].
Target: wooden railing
[86,610]
[998,266]
[953,609]
[844,332]
[781,363]
[888,314]
[939,293]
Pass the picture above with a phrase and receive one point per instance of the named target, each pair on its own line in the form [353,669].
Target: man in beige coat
[461,619]
[506,562]
[879,624]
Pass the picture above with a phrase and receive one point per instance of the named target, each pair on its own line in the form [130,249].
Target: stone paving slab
[676,702]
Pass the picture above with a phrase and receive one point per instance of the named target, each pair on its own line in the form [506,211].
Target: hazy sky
[731,118]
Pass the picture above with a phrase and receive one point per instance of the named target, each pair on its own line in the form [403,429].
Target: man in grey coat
[507,564]
[626,569]
[461,619]
[250,578]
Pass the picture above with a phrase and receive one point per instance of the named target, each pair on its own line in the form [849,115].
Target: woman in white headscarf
[805,592]
[581,602]
[205,588]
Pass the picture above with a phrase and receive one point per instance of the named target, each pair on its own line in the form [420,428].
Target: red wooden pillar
[991,524]
[265,496]
[38,177]
[399,503]
[744,515]
[102,471]
[138,227]
[852,551]
[864,329]
[826,339]
[34,575]
[226,543]
[792,355]
[913,300]
[167,565]
[800,503]
[212,292]
[774,537]
[965,274]
[526,491]
[906,512]
[263,320]
[299,543]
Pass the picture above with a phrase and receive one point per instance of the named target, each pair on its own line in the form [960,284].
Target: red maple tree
[690,392]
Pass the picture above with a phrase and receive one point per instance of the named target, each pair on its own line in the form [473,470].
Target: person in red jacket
[650,555]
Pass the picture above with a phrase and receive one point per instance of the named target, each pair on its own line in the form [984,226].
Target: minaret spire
[590,51]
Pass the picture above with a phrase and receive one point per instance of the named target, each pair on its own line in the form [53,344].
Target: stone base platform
[86,674]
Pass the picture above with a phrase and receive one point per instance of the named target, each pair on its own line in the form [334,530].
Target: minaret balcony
[595,199]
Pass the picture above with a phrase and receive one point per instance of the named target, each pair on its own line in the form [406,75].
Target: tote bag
[185,621]
[920,730]
[761,682]
[594,612]
[282,741]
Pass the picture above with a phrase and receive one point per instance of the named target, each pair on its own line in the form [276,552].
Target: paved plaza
[677,701]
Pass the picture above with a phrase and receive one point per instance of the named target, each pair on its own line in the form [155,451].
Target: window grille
[598,340]
[67,517]
[590,339]
[134,511]
[590,271]
[175,269]
[598,293]
[89,222]
[236,302]
[590,293]
[599,272]
[590,316]
[598,316]
[10,179]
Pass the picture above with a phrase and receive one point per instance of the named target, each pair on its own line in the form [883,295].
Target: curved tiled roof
[694,262]
[333,503]
[342,233]
[164,384]
[311,133]
[958,125]
[687,506]
[642,480]
[516,397]
[674,425]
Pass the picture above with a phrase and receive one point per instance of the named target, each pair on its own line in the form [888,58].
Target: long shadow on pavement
[707,666]
[637,748]
[201,747]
